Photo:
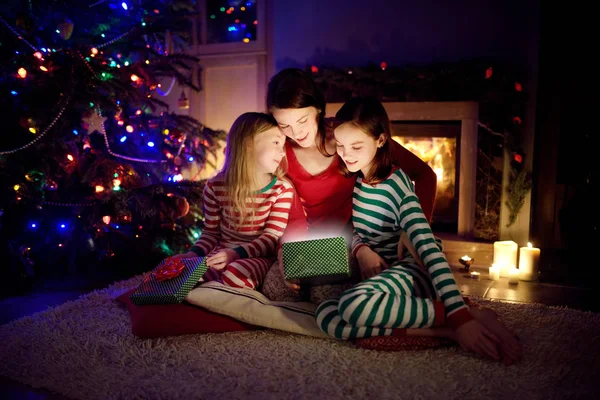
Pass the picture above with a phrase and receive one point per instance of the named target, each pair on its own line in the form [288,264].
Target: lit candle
[465,258]
[505,256]
[513,275]
[529,263]
[475,275]
[494,272]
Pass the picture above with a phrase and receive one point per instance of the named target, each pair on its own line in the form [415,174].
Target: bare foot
[441,332]
[509,345]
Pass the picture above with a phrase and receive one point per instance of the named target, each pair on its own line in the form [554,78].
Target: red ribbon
[169,270]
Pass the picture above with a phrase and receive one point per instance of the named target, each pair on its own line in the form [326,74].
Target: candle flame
[529,245]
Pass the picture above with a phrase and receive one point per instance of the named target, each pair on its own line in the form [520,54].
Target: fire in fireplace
[436,143]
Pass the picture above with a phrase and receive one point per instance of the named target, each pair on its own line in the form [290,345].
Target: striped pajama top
[259,234]
[381,212]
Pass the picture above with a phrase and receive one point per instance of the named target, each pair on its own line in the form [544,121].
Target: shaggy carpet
[84,349]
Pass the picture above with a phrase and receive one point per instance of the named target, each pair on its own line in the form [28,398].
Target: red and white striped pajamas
[254,241]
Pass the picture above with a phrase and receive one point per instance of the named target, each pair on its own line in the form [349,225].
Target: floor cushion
[150,321]
[255,308]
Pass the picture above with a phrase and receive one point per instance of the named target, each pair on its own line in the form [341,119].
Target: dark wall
[355,32]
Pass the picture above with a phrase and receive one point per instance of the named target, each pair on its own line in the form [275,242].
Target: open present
[317,261]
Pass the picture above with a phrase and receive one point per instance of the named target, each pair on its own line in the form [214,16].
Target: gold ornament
[183,101]
[94,122]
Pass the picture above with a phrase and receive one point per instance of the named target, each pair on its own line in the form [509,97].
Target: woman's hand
[370,263]
[221,259]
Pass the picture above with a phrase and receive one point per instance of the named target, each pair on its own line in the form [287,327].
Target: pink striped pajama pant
[241,273]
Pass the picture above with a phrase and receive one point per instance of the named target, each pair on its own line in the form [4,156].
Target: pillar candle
[529,263]
[505,256]
[513,275]
[494,273]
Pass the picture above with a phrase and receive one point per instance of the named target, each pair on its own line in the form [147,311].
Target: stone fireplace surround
[465,112]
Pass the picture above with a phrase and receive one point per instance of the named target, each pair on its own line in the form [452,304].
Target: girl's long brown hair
[239,168]
[369,115]
[294,88]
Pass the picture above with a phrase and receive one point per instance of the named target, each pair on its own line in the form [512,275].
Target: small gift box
[317,261]
[170,281]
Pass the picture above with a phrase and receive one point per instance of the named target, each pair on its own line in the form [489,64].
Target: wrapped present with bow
[170,281]
[317,261]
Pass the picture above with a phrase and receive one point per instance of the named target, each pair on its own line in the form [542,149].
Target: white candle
[529,263]
[505,256]
[494,273]
[513,275]
[475,275]
[465,258]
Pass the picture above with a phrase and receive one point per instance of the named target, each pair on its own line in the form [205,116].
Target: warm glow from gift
[529,263]
[494,273]
[505,256]
[513,275]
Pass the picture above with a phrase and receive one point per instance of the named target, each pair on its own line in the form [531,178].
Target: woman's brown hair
[294,88]
[369,115]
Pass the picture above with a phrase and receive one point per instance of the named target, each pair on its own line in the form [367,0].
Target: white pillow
[252,307]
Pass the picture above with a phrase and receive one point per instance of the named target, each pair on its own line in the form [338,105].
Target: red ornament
[517,120]
[488,73]
[383,65]
[314,69]
[518,87]
[518,158]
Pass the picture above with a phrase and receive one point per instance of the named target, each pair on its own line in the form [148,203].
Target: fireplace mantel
[467,113]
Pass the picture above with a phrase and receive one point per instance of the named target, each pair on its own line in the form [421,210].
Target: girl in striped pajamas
[246,205]
[408,287]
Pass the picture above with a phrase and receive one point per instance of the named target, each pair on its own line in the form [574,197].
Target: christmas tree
[92,161]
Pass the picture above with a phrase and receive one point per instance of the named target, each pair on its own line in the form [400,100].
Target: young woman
[298,105]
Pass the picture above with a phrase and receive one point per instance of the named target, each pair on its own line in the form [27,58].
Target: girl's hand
[405,244]
[292,284]
[473,336]
[370,263]
[221,259]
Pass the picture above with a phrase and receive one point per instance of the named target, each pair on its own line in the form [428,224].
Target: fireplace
[435,142]
[443,134]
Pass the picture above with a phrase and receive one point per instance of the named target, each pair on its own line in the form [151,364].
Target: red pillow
[152,321]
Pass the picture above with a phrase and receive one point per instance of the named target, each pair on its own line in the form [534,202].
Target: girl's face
[268,150]
[299,124]
[356,148]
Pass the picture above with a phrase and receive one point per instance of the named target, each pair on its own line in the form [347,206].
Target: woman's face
[299,124]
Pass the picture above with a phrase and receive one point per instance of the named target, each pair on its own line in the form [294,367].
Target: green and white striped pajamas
[403,296]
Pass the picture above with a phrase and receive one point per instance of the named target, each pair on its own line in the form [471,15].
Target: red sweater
[326,198]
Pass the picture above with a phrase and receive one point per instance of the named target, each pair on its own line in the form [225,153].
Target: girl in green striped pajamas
[408,287]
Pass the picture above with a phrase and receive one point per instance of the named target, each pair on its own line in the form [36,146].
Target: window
[230,26]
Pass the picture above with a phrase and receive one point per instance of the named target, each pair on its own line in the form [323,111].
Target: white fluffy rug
[84,349]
